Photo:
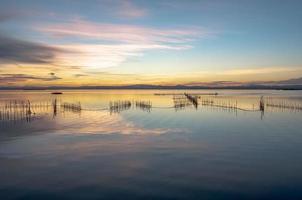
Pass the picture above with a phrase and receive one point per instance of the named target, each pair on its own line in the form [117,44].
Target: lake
[151,144]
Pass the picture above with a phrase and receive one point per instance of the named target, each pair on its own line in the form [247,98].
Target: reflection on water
[158,144]
[18,110]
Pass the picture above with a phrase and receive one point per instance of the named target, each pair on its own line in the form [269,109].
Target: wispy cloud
[233,76]
[80,75]
[104,56]
[254,71]
[16,78]
[123,33]
[15,50]
[113,44]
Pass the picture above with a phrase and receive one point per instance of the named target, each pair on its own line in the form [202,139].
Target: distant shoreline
[156,87]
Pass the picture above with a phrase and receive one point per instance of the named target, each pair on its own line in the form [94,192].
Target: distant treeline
[180,87]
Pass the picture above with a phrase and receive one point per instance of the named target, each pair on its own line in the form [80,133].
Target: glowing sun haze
[123,42]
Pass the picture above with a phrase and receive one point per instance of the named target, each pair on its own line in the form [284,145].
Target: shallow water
[209,151]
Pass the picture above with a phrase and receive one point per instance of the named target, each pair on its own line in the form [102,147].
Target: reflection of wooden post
[29,110]
[261,106]
[55,107]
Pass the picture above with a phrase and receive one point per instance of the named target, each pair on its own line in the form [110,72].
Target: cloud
[14,50]
[123,33]
[103,56]
[14,78]
[240,72]
[80,75]
[113,44]
[266,70]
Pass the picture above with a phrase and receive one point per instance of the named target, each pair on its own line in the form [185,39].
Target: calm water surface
[209,151]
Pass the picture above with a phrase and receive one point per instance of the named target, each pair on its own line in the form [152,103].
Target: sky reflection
[208,152]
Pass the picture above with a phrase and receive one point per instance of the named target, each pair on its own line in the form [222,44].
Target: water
[214,151]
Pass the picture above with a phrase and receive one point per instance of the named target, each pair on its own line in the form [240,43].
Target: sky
[161,42]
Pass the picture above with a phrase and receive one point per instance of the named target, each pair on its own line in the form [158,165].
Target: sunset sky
[168,42]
